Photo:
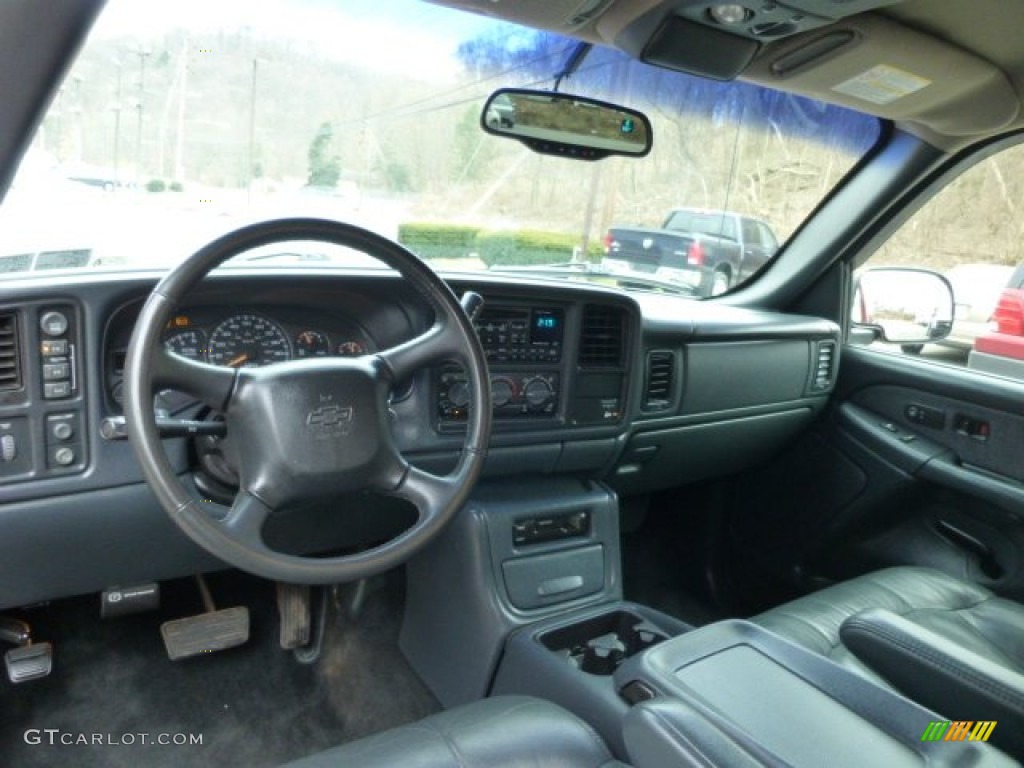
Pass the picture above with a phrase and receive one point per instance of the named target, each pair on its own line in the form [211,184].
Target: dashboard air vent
[10,365]
[601,337]
[661,368]
[823,374]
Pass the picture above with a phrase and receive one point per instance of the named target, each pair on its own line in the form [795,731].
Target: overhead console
[719,40]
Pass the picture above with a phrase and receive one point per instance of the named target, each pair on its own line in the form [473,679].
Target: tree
[324,168]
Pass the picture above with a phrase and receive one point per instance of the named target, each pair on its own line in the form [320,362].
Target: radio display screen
[546,326]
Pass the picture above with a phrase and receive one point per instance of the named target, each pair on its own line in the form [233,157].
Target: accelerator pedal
[293,606]
[208,632]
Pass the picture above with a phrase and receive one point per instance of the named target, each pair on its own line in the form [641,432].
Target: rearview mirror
[569,126]
[903,305]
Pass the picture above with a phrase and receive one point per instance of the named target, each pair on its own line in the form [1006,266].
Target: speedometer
[248,341]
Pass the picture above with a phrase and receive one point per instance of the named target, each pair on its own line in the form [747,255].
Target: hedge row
[494,248]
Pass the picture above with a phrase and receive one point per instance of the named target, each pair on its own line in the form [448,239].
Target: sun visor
[876,65]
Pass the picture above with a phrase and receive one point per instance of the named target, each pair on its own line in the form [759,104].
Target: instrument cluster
[251,338]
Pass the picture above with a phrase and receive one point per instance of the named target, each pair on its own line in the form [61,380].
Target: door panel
[892,475]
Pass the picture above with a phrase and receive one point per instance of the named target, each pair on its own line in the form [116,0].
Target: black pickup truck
[709,251]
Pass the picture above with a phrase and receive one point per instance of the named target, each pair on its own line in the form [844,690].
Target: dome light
[729,14]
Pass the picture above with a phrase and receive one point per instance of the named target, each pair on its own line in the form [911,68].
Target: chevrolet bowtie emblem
[329,416]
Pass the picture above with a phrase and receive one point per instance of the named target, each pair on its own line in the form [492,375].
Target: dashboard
[639,391]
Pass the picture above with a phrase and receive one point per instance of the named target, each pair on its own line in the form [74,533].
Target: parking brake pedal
[208,632]
[29,661]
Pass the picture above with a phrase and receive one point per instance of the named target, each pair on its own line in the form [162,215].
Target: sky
[350,30]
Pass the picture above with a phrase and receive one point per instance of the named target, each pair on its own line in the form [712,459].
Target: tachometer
[248,341]
[190,344]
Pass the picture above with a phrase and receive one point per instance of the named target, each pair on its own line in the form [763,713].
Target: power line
[401,113]
[395,111]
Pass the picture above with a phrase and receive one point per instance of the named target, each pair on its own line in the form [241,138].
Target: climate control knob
[502,391]
[538,393]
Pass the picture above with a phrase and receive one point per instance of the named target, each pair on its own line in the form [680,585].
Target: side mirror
[576,127]
[902,305]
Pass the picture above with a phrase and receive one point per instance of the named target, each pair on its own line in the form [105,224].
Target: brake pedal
[29,662]
[215,630]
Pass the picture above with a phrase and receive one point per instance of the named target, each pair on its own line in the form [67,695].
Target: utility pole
[143,55]
[252,130]
[117,123]
[179,147]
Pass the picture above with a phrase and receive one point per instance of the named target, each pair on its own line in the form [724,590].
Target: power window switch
[925,416]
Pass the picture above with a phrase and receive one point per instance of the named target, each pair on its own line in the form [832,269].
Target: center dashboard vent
[10,358]
[659,381]
[601,337]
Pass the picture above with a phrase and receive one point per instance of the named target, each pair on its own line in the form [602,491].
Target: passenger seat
[948,644]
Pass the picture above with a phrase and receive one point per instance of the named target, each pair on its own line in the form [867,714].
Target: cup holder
[599,645]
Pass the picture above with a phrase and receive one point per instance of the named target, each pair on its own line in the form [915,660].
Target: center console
[523,596]
[572,660]
[732,693]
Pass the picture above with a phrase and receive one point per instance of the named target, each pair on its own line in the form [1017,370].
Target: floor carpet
[253,705]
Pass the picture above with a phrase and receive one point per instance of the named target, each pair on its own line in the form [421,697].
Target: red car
[1002,350]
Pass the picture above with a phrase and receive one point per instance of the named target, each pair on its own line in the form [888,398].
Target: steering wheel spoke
[428,492]
[433,346]
[210,383]
[244,522]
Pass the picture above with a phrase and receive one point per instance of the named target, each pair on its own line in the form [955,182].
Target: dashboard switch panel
[57,352]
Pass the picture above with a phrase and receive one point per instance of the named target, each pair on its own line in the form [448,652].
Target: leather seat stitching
[942,663]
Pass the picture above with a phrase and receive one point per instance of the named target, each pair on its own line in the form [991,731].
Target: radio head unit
[521,334]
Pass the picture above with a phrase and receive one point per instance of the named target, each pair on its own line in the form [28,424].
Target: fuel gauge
[312,344]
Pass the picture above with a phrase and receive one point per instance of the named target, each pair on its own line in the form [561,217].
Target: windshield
[182,120]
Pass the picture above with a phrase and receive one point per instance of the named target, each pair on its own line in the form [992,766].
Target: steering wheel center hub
[310,428]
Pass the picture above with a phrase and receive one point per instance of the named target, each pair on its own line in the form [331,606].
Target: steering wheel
[305,429]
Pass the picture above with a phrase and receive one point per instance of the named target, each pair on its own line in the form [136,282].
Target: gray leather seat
[948,644]
[964,613]
[503,732]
